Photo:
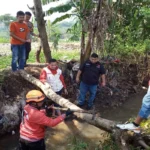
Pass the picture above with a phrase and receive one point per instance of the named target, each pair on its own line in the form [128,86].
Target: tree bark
[121,137]
[97,121]
[37,53]
[41,28]
[88,49]
[82,45]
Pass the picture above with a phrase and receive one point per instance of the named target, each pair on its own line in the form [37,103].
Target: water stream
[129,109]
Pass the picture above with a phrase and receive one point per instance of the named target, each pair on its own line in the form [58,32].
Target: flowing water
[57,138]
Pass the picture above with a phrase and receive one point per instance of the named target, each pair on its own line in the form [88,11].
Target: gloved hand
[69,112]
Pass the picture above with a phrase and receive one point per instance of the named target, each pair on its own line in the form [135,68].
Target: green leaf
[61,18]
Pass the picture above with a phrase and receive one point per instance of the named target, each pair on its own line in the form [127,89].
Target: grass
[5,61]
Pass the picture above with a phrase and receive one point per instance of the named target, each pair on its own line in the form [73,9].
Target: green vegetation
[59,55]
[5,61]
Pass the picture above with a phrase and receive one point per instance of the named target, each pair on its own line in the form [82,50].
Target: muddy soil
[61,136]
[107,101]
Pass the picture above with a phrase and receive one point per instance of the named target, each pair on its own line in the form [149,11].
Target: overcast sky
[12,6]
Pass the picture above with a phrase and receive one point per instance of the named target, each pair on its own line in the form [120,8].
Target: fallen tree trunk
[97,121]
[36,64]
[121,137]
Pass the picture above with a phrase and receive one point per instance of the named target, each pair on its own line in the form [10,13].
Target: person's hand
[66,92]
[28,40]
[69,112]
[77,80]
[103,84]
[51,106]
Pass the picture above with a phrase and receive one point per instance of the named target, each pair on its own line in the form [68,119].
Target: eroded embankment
[122,80]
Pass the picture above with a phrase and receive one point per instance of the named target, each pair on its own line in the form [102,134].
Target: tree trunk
[88,49]
[82,45]
[97,121]
[41,28]
[37,53]
[121,137]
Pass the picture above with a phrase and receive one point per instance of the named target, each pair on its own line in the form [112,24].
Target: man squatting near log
[30,27]
[34,122]
[19,33]
[90,72]
[144,113]
[52,76]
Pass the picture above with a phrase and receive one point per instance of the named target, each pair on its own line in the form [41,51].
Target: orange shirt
[32,127]
[19,29]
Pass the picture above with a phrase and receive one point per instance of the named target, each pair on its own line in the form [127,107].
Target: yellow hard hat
[34,96]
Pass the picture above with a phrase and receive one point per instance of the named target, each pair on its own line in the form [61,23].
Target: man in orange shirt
[19,33]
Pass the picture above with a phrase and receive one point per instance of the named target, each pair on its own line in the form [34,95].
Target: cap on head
[34,96]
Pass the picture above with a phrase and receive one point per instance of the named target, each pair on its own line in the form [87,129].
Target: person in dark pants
[90,72]
[30,26]
[34,122]
[19,36]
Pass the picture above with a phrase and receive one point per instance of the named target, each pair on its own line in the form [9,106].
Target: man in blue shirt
[90,72]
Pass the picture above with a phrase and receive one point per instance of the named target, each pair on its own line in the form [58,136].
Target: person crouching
[34,122]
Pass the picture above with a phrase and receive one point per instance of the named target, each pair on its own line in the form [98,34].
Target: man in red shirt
[52,75]
[34,122]
[19,33]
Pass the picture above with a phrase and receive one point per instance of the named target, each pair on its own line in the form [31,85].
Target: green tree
[6,19]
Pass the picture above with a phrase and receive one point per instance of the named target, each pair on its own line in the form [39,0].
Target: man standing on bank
[19,36]
[90,73]
[30,27]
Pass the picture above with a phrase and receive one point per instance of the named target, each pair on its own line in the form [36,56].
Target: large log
[97,121]
[121,137]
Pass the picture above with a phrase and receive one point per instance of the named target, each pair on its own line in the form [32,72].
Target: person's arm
[102,75]
[62,80]
[43,76]
[79,73]
[103,79]
[28,37]
[64,85]
[78,76]
[12,34]
[42,119]
[32,31]
[12,30]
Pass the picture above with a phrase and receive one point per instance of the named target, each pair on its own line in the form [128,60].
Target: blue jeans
[18,53]
[145,109]
[84,88]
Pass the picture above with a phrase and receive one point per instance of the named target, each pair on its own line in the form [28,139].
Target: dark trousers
[25,145]
[28,49]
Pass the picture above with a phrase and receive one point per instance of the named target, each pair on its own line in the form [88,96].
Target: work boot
[130,127]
